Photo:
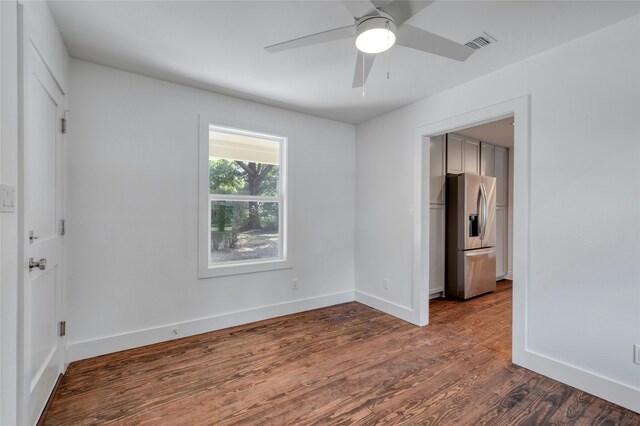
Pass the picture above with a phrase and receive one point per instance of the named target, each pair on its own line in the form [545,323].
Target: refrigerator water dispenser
[474,225]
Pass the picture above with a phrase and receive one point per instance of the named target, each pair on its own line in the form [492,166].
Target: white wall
[133,211]
[584,299]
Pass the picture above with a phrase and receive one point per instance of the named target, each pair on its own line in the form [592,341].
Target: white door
[41,156]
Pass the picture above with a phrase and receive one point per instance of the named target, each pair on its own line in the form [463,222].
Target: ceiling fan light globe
[375,40]
[375,35]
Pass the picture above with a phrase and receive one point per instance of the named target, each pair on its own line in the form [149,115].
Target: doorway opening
[470,244]
[430,225]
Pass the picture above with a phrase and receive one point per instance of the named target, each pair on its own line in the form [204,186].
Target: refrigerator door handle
[479,252]
[485,210]
[480,210]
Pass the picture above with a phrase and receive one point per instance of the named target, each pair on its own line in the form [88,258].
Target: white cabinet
[455,154]
[437,169]
[463,155]
[487,160]
[502,243]
[502,175]
[436,248]
[471,156]
[437,176]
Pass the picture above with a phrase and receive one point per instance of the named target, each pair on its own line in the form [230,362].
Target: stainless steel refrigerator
[470,253]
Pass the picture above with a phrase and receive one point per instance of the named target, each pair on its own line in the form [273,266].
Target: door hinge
[63,122]
[63,227]
[63,328]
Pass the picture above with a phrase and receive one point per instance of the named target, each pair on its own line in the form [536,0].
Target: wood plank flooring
[346,364]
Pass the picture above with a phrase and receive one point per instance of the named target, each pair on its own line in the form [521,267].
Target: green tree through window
[244,178]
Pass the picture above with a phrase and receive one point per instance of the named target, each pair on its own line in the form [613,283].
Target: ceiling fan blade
[324,36]
[361,8]
[358,78]
[425,41]
[401,10]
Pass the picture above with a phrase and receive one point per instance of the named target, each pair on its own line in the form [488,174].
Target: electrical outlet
[175,331]
[385,283]
[294,284]
[636,354]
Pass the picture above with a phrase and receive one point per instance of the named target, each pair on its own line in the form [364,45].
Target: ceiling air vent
[481,41]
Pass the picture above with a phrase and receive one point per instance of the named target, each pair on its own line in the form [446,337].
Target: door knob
[40,264]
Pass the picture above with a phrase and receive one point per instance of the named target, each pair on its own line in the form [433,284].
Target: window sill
[244,268]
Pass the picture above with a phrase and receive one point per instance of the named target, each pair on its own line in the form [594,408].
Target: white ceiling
[218,46]
[497,132]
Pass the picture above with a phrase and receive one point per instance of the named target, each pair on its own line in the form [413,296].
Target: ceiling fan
[376,29]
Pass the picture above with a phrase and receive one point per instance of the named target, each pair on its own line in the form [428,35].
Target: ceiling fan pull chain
[363,74]
[388,48]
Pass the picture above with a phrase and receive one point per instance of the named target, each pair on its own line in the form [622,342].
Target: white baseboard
[588,381]
[436,294]
[133,339]
[509,275]
[610,390]
[385,306]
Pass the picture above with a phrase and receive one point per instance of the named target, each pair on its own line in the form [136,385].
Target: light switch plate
[636,354]
[8,199]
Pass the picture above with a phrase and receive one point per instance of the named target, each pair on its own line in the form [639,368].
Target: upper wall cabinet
[437,167]
[487,160]
[463,155]
[471,156]
[502,174]
[455,154]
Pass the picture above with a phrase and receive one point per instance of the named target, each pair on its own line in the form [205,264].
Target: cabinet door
[502,175]
[455,154]
[501,242]
[487,159]
[437,166]
[436,248]
[471,156]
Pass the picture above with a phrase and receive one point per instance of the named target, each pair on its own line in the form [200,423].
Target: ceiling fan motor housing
[375,34]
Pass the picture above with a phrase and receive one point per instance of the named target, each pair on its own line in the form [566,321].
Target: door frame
[519,108]
[28,33]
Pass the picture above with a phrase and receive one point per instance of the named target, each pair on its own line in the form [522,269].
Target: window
[246,201]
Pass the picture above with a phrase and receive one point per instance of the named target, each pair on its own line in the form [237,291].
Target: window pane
[235,177]
[241,164]
[244,230]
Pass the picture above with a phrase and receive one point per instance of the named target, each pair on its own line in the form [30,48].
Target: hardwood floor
[346,364]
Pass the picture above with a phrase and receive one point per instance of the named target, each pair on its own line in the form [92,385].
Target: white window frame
[284,261]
